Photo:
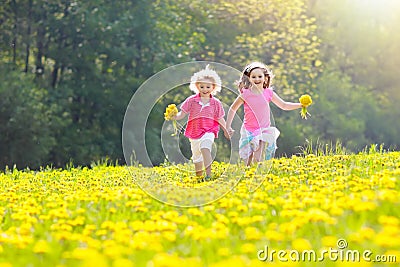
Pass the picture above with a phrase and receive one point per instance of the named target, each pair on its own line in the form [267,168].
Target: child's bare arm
[222,123]
[283,104]
[180,115]
[231,113]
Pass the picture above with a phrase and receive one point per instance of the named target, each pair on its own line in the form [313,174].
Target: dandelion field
[99,216]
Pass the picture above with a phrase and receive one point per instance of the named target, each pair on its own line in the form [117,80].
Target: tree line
[68,69]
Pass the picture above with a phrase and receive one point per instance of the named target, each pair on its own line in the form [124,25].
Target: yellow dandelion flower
[169,235]
[41,247]
[242,208]
[121,262]
[252,233]
[329,241]
[274,235]
[113,251]
[367,232]
[305,101]
[301,244]
[169,115]
[248,248]
[388,220]
[112,210]
[164,259]
[97,260]
[170,112]
[237,261]
[209,208]
[386,240]
[223,252]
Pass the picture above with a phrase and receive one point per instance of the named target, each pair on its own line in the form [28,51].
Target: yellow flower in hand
[170,112]
[169,115]
[305,101]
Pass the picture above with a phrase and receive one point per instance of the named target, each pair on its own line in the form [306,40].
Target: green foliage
[279,33]
[360,38]
[359,41]
[343,112]
[26,121]
[69,69]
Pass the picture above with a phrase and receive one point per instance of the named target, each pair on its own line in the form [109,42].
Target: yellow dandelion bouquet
[169,114]
[305,101]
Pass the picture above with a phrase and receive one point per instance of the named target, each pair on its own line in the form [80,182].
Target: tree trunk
[54,76]
[39,45]
[28,36]
[15,26]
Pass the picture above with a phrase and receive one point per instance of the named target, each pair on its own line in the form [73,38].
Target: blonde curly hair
[206,74]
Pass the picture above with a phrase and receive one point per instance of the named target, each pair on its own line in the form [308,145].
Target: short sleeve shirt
[256,109]
[203,118]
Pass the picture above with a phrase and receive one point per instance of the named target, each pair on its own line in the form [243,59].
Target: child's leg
[258,153]
[196,156]
[207,160]
[198,166]
[206,144]
[249,160]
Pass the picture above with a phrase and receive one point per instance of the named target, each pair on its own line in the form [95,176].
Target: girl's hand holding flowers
[169,114]
[305,101]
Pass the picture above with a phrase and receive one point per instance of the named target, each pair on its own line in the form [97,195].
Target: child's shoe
[207,178]
[200,179]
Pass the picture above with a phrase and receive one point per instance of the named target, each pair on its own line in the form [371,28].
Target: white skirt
[250,141]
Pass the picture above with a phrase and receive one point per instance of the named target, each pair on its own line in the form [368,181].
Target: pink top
[256,109]
[203,118]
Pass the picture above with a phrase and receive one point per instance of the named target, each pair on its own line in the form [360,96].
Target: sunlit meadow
[98,216]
